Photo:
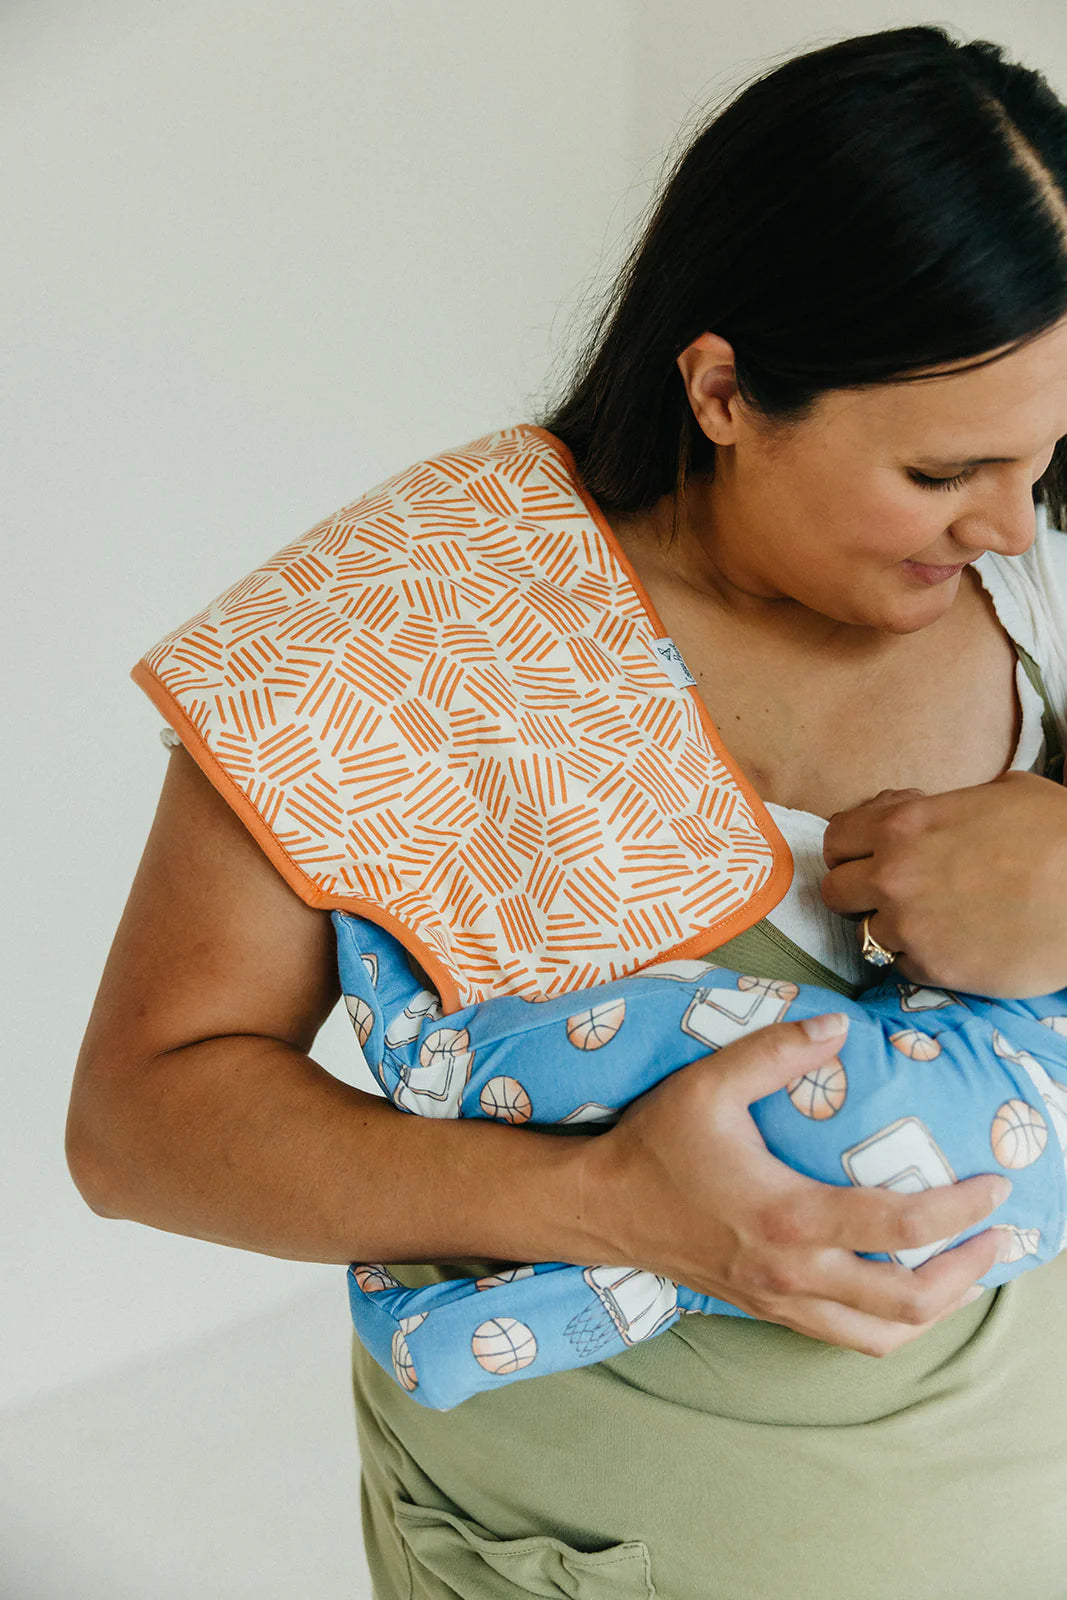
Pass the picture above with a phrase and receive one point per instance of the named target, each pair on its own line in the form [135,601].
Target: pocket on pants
[471,1563]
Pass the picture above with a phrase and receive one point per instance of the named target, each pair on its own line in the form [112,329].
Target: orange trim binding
[781,875]
[297,880]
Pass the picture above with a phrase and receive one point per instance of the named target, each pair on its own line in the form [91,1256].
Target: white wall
[264,255]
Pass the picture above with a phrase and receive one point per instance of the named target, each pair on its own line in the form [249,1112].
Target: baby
[927,1088]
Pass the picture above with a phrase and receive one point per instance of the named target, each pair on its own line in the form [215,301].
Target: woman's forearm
[246,1141]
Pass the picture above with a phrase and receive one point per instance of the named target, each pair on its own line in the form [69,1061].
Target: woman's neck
[683,577]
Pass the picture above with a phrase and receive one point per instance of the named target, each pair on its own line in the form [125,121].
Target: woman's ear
[711,341]
[707,369]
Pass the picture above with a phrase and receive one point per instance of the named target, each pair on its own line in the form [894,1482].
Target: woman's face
[835,515]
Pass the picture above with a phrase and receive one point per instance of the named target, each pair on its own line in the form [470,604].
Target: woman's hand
[683,1185]
[969,886]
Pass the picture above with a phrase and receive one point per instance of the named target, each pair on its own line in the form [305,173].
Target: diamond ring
[871,950]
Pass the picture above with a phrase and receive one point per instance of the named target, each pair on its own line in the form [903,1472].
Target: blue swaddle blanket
[927,1088]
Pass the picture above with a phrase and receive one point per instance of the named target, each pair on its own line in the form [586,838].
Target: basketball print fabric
[928,1087]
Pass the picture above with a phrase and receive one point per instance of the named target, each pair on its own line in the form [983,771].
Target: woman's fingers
[878,1220]
[801,1280]
[831,1323]
[804,1212]
[685,1186]
[852,888]
[847,1287]
[769,1058]
[859,830]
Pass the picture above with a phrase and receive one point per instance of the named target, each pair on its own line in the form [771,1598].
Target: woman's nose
[1007,525]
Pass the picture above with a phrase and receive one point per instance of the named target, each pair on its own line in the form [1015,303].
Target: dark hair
[883,204]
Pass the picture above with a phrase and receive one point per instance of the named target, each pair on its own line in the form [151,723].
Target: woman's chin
[917,611]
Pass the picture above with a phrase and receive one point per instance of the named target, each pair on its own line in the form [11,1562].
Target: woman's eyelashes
[941,483]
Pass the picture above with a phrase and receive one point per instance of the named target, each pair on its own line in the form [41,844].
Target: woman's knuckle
[894,884]
[781,1279]
[883,876]
[882,1343]
[783,1225]
[759,1278]
[905,819]
[913,1229]
[917,1308]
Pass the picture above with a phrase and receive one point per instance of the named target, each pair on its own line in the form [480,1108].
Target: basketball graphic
[821,1093]
[409,1324]
[1023,1241]
[1053,1094]
[507,1099]
[403,1365]
[507,1276]
[770,986]
[688,971]
[591,1029]
[373,1277]
[361,1015]
[371,964]
[915,1044]
[503,1345]
[444,1042]
[1018,1135]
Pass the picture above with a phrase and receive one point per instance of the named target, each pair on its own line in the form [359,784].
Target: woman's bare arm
[196,1107]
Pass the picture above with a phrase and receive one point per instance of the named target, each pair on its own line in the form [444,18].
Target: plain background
[260,257]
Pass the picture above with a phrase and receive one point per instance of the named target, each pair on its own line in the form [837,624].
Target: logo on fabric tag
[670,659]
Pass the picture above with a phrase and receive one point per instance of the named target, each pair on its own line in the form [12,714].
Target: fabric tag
[670,659]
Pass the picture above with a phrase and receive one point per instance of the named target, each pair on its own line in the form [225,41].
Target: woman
[835,375]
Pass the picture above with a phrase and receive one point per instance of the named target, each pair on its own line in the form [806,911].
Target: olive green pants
[730,1459]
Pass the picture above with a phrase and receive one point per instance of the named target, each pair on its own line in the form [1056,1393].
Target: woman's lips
[928,574]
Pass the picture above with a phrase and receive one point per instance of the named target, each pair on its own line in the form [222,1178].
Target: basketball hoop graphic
[906,1158]
[434,1087]
[756,1003]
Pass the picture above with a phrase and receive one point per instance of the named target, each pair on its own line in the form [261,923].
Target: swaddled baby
[927,1088]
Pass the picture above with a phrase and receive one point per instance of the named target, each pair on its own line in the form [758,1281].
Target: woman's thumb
[771,1057]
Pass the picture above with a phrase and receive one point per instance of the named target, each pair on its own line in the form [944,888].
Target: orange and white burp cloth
[450,707]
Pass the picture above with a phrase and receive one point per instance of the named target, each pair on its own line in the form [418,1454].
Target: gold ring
[871,950]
